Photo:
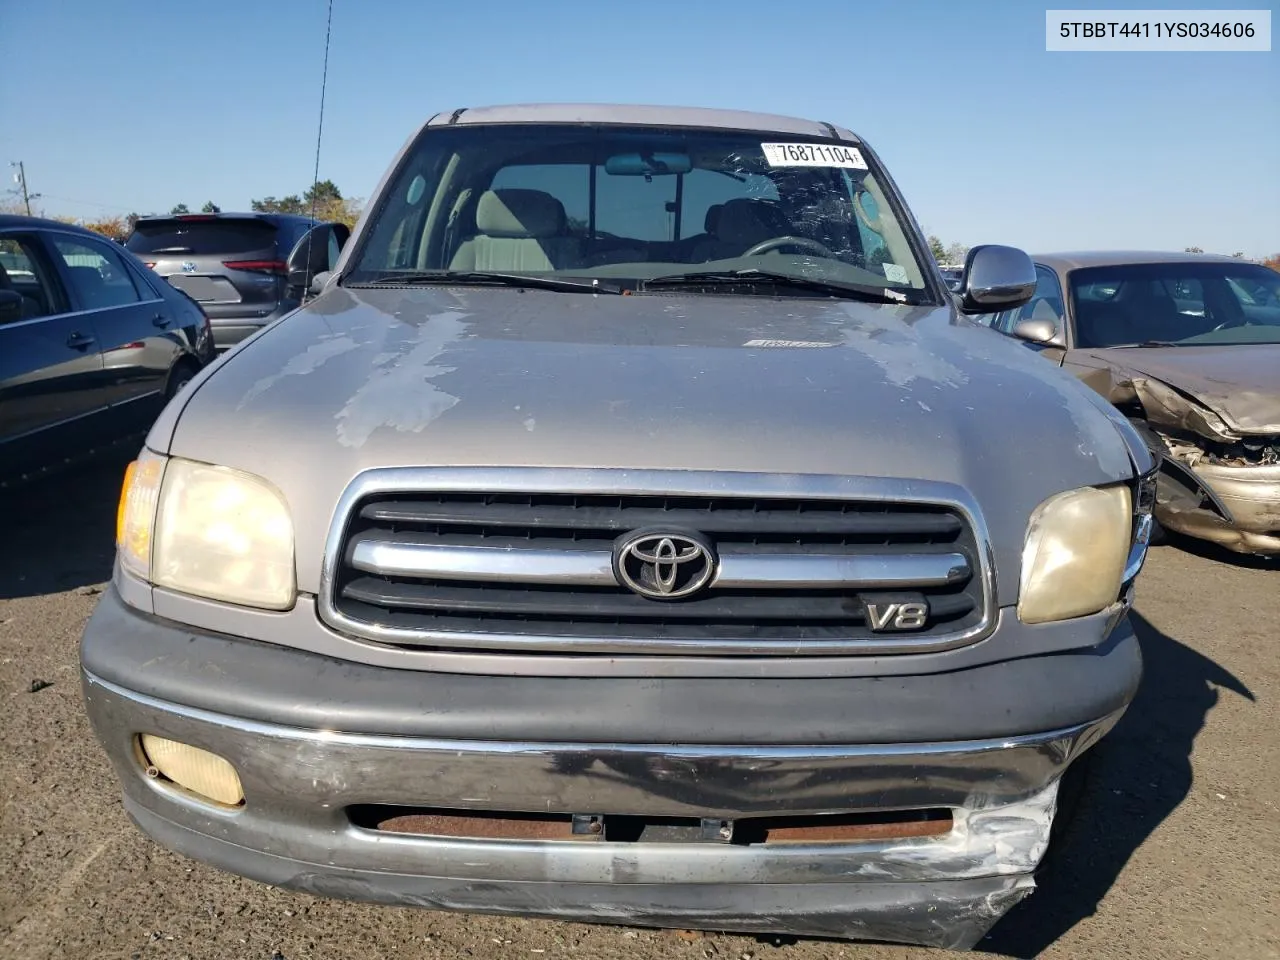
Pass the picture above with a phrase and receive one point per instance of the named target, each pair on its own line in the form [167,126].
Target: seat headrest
[519,213]
[712,220]
[1045,309]
[744,221]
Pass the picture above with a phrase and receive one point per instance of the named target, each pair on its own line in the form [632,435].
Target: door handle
[78,341]
[161,321]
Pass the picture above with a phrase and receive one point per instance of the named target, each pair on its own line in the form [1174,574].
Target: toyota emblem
[664,565]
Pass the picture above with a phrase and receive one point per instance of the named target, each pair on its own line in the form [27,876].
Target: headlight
[1074,559]
[209,531]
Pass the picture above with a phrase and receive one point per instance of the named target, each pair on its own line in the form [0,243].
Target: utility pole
[20,178]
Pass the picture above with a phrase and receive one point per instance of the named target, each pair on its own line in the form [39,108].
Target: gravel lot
[1181,843]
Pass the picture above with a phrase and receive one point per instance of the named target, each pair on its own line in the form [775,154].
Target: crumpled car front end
[1236,502]
[1213,416]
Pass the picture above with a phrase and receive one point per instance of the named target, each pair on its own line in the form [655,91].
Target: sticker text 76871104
[812,155]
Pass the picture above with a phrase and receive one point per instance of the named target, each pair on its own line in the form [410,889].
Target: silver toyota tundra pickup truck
[632,528]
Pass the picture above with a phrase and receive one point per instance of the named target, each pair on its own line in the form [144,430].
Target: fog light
[203,773]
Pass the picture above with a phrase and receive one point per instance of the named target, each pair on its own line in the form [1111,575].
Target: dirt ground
[1179,854]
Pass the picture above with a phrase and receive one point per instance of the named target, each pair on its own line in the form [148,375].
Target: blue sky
[138,106]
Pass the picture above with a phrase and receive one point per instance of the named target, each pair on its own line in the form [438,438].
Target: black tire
[1072,791]
[182,374]
[1159,537]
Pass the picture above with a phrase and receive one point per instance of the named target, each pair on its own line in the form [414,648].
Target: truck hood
[1238,384]
[365,378]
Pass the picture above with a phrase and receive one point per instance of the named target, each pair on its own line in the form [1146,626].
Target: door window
[335,248]
[1045,304]
[97,274]
[23,271]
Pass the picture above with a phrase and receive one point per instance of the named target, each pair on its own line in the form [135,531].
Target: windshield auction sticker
[1123,31]
[812,155]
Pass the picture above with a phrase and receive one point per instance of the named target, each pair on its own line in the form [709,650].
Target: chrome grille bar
[503,564]
[739,571]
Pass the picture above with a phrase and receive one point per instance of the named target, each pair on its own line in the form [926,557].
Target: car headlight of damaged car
[1075,555]
[206,530]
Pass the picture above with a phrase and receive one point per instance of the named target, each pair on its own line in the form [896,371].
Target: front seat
[1151,313]
[518,230]
[30,308]
[738,226]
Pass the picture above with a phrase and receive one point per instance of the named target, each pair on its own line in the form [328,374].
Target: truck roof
[641,115]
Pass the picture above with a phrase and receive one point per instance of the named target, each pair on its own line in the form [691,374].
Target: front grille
[532,572]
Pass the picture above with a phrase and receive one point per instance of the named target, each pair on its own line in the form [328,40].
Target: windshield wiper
[853,291]
[1151,343]
[538,281]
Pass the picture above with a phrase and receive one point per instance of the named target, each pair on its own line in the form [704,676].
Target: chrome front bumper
[294,829]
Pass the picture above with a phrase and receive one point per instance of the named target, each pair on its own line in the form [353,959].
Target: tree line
[322,200]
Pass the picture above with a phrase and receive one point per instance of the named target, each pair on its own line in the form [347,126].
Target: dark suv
[232,264]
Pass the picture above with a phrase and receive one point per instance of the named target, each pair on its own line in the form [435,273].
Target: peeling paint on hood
[399,393]
[310,360]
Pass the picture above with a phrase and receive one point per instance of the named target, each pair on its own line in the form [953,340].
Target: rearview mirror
[1036,331]
[996,278]
[10,306]
[647,165]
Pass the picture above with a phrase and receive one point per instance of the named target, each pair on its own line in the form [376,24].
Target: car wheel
[1072,790]
[1158,536]
[182,374]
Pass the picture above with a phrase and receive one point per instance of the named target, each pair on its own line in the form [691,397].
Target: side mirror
[314,255]
[10,306]
[309,256]
[318,282]
[996,278]
[1036,331]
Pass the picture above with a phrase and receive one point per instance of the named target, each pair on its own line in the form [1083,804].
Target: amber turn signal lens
[136,515]
[129,473]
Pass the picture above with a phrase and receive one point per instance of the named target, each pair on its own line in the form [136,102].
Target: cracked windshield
[621,208]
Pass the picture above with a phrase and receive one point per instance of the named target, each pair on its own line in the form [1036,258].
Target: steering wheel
[1231,324]
[764,246]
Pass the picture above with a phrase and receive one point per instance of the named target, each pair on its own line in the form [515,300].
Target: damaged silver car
[618,535]
[1188,347]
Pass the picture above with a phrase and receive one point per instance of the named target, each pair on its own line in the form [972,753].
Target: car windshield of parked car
[1183,304]
[632,204]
